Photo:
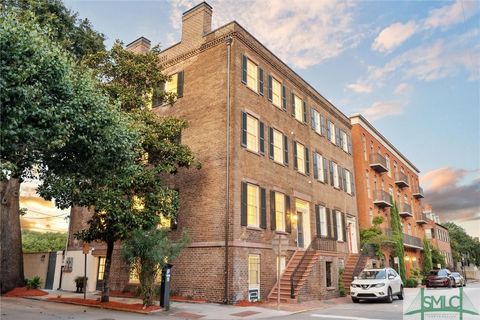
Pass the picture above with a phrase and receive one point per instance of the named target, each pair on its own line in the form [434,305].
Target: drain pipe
[227,206]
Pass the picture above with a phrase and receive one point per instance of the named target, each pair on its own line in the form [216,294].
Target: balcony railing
[323,244]
[401,179]
[418,192]
[422,218]
[405,210]
[408,240]
[382,199]
[378,162]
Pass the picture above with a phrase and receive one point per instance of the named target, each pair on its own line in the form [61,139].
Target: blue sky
[411,67]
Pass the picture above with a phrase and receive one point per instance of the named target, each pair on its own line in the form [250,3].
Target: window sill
[253,90]
[253,228]
[281,232]
[302,173]
[279,163]
[253,152]
[331,288]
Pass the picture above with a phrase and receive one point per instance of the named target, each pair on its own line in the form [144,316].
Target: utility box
[165,287]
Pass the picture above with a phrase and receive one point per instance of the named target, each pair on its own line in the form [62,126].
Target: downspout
[227,206]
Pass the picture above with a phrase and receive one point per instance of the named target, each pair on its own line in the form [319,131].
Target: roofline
[198,5]
[370,126]
[139,38]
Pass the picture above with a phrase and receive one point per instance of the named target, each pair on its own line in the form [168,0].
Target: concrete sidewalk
[181,310]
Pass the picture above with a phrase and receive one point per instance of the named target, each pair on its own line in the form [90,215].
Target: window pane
[335,175]
[277,146]
[252,205]
[332,132]
[339,226]
[253,270]
[323,221]
[280,211]
[348,186]
[276,92]
[171,85]
[252,75]
[298,109]
[345,143]
[300,157]
[252,133]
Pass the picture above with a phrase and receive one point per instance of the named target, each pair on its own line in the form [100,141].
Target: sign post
[279,244]
[86,249]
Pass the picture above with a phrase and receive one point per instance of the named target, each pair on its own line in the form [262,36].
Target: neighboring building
[276,160]
[383,173]
[438,235]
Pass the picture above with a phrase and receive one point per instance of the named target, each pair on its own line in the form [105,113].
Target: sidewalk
[180,310]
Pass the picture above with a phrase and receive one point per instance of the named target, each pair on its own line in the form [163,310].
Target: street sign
[86,248]
[395,259]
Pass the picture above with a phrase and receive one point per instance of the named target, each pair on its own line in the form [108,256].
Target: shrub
[411,283]
[341,285]
[34,283]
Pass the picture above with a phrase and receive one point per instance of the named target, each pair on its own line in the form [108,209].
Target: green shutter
[284,98]
[304,112]
[262,137]
[337,136]
[273,220]
[317,220]
[244,129]
[244,69]
[260,81]
[270,142]
[180,84]
[331,172]
[349,143]
[295,160]
[329,132]
[307,161]
[352,182]
[270,88]
[293,104]
[329,223]
[340,177]
[344,228]
[335,232]
[315,166]
[263,208]
[288,222]
[325,170]
[243,216]
[285,150]
[323,126]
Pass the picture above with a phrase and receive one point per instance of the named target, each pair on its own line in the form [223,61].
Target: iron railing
[382,198]
[401,179]
[378,162]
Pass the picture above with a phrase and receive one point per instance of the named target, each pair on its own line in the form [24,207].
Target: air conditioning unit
[253,295]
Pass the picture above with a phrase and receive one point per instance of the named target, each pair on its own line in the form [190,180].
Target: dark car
[440,278]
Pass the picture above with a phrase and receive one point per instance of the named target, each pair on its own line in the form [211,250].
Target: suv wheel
[400,295]
[390,295]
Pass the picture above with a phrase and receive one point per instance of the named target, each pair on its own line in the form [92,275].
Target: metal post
[278,271]
[61,276]
[85,280]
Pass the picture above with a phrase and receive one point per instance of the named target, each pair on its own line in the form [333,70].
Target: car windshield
[455,274]
[372,274]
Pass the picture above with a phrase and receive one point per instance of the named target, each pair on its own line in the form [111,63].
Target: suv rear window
[440,273]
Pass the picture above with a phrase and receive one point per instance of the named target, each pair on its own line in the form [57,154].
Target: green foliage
[427,256]
[374,236]
[60,25]
[33,283]
[462,243]
[33,241]
[438,258]
[397,237]
[411,283]
[341,285]
[147,252]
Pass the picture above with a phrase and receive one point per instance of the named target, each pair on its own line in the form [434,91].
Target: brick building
[382,172]
[437,235]
[276,160]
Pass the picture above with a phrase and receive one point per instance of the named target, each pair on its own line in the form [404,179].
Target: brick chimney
[141,45]
[196,22]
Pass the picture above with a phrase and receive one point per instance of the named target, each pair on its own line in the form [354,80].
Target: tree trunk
[147,282]
[11,256]
[106,274]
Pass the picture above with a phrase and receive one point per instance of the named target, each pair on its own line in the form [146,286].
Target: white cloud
[403,89]
[360,88]
[302,33]
[382,109]
[393,36]
[451,14]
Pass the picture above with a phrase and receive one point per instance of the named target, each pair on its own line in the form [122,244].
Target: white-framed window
[339,226]
[278,152]
[276,93]
[336,178]
[348,178]
[344,141]
[279,211]
[252,133]
[300,157]
[319,167]
[387,160]
[323,221]
[298,108]
[252,75]
[253,271]
[332,132]
[316,121]
[253,205]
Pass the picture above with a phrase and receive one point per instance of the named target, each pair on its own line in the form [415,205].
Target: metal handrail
[366,251]
[292,287]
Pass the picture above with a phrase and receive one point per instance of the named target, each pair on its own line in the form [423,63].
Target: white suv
[376,284]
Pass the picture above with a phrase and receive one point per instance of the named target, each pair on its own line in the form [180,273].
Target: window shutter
[329,223]
[345,172]
[284,98]
[270,88]
[293,104]
[262,137]
[341,139]
[340,177]
[288,223]
[330,163]
[295,160]
[317,220]
[243,215]
[337,136]
[263,208]
[323,126]
[344,229]
[180,84]
[329,132]
[273,215]
[349,143]
[335,232]
[244,70]
[285,150]
[307,161]
[270,142]
[304,112]
[352,182]
[312,118]
[325,170]
[315,166]
[260,81]
[244,129]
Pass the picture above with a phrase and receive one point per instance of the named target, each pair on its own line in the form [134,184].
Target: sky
[412,68]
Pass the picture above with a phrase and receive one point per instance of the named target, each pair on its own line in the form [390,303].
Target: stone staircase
[355,264]
[301,261]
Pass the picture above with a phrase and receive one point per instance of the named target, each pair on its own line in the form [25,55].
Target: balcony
[323,244]
[378,162]
[418,193]
[401,180]
[422,218]
[382,199]
[405,210]
[408,240]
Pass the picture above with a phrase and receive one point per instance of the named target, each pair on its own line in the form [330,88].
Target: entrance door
[52,259]
[300,236]
[100,272]
[352,236]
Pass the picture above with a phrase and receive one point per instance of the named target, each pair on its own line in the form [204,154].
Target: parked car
[440,278]
[459,279]
[377,284]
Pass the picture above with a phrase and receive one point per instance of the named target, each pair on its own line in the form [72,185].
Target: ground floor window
[328,273]
[253,270]
[101,268]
